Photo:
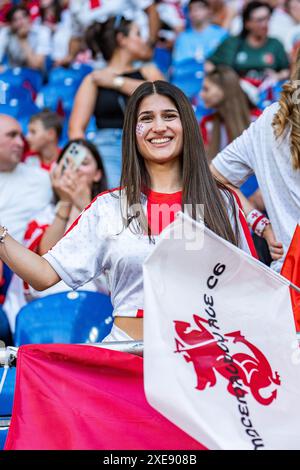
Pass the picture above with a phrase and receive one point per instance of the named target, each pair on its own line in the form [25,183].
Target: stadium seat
[6,402]
[5,334]
[76,73]
[58,97]
[20,111]
[9,92]
[3,435]
[23,77]
[7,394]
[67,317]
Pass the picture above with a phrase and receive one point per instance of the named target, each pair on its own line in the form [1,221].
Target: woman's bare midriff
[132,326]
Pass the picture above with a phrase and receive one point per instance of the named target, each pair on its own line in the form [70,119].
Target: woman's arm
[106,78]
[83,108]
[275,247]
[57,229]
[29,266]
[152,73]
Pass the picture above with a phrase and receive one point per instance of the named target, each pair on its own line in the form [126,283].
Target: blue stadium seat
[6,402]
[3,435]
[54,96]
[7,394]
[5,333]
[23,77]
[20,111]
[9,92]
[67,317]
[76,73]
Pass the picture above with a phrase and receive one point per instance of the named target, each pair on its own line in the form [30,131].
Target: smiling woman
[164,170]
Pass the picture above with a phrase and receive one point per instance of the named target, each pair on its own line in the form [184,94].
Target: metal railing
[9,355]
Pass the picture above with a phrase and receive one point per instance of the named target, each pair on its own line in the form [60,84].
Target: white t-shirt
[99,244]
[23,192]
[60,37]
[292,38]
[258,151]
[280,24]
[86,12]
[39,39]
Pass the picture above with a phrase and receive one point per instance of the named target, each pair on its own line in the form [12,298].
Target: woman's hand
[81,196]
[70,185]
[275,247]
[60,179]
[104,77]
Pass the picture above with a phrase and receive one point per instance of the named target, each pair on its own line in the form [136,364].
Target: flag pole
[293,286]
[10,353]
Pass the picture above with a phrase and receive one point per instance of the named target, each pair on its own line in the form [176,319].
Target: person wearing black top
[104,93]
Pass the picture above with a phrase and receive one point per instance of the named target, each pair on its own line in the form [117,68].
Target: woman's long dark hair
[199,186]
[102,37]
[98,186]
[233,111]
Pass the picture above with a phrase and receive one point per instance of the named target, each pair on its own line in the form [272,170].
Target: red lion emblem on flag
[200,347]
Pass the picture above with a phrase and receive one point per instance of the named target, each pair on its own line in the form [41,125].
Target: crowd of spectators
[67,68]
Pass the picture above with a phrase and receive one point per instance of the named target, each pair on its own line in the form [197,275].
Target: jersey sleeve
[79,256]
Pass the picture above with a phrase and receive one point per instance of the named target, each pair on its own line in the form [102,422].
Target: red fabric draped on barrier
[291,271]
[84,397]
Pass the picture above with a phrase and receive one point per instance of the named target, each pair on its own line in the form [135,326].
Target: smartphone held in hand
[75,153]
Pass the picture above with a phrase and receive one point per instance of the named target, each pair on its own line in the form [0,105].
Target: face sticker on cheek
[140,128]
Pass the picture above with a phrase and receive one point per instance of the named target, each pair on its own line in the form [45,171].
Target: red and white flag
[291,270]
[220,348]
[72,397]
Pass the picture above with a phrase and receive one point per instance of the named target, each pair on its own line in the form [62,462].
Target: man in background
[24,190]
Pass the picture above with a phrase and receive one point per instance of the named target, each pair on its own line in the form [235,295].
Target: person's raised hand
[63,180]
[275,247]
[82,195]
[104,77]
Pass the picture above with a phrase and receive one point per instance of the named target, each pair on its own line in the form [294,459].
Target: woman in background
[74,189]
[231,115]
[253,54]
[104,93]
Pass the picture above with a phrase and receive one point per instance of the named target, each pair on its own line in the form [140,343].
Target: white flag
[221,358]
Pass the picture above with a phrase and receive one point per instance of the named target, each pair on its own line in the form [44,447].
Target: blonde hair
[287,117]
[233,111]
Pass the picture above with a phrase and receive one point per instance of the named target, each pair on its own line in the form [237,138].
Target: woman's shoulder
[151,72]
[232,41]
[274,43]
[109,199]
[270,111]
